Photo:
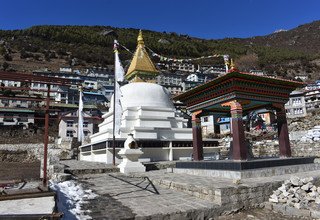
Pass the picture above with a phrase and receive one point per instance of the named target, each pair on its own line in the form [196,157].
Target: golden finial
[232,67]
[140,38]
[232,64]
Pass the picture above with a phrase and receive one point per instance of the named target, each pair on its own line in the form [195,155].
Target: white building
[312,99]
[296,106]
[16,117]
[68,126]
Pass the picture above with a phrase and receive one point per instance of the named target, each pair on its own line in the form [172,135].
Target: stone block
[295,181]
[279,208]
[58,168]
[61,177]
[283,200]
[306,186]
[315,214]
[297,205]
[297,212]
[285,194]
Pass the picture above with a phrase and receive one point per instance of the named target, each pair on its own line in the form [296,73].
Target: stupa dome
[145,95]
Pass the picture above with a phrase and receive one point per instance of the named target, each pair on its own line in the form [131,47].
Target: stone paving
[145,200]
[164,195]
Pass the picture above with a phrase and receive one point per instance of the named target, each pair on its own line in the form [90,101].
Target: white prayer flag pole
[117,110]
[80,118]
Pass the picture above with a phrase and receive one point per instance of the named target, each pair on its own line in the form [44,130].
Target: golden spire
[141,64]
[140,38]
[232,64]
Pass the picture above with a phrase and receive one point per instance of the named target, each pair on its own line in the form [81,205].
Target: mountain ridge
[288,53]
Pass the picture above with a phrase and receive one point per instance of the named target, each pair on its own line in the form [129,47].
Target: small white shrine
[130,154]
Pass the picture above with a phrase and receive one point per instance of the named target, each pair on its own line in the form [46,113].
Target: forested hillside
[286,53]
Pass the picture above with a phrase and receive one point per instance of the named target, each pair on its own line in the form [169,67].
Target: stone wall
[32,152]
[298,148]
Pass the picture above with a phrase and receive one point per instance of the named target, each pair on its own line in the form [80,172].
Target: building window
[23,118]
[69,123]
[297,111]
[85,124]
[205,119]
[8,118]
[69,133]
[86,133]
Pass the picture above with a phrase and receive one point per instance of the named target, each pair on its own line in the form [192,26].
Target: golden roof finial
[232,64]
[140,38]
[141,65]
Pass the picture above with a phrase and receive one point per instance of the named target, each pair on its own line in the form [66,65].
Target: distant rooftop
[20,110]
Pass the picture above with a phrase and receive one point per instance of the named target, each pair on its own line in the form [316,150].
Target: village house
[17,116]
[68,124]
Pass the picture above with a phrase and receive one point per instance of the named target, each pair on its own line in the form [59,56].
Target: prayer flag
[80,119]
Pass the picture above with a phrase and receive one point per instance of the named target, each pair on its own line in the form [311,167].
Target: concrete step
[76,167]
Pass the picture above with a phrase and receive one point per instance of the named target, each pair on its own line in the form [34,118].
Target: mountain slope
[287,53]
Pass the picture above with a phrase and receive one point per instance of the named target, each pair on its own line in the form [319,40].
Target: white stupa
[147,113]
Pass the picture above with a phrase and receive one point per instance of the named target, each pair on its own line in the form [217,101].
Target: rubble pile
[305,123]
[312,135]
[298,193]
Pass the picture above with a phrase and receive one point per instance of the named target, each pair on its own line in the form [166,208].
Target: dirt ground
[16,170]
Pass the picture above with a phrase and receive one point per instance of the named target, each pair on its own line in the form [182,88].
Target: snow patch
[280,30]
[71,196]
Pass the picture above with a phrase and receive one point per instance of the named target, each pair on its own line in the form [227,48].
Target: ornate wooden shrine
[235,94]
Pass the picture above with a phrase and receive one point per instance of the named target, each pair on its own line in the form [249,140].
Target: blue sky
[209,19]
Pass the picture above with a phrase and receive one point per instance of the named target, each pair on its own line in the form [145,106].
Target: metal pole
[114,124]
[46,137]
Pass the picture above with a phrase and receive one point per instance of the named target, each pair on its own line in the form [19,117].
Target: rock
[318,190]
[283,188]
[273,196]
[292,190]
[287,182]
[310,179]
[285,194]
[277,192]
[310,198]
[290,203]
[295,181]
[304,180]
[304,203]
[295,200]
[299,196]
[313,194]
[297,205]
[317,201]
[283,200]
[274,200]
[60,177]
[307,186]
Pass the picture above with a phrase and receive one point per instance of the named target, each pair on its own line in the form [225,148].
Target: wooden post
[283,134]
[46,138]
[239,150]
[197,136]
